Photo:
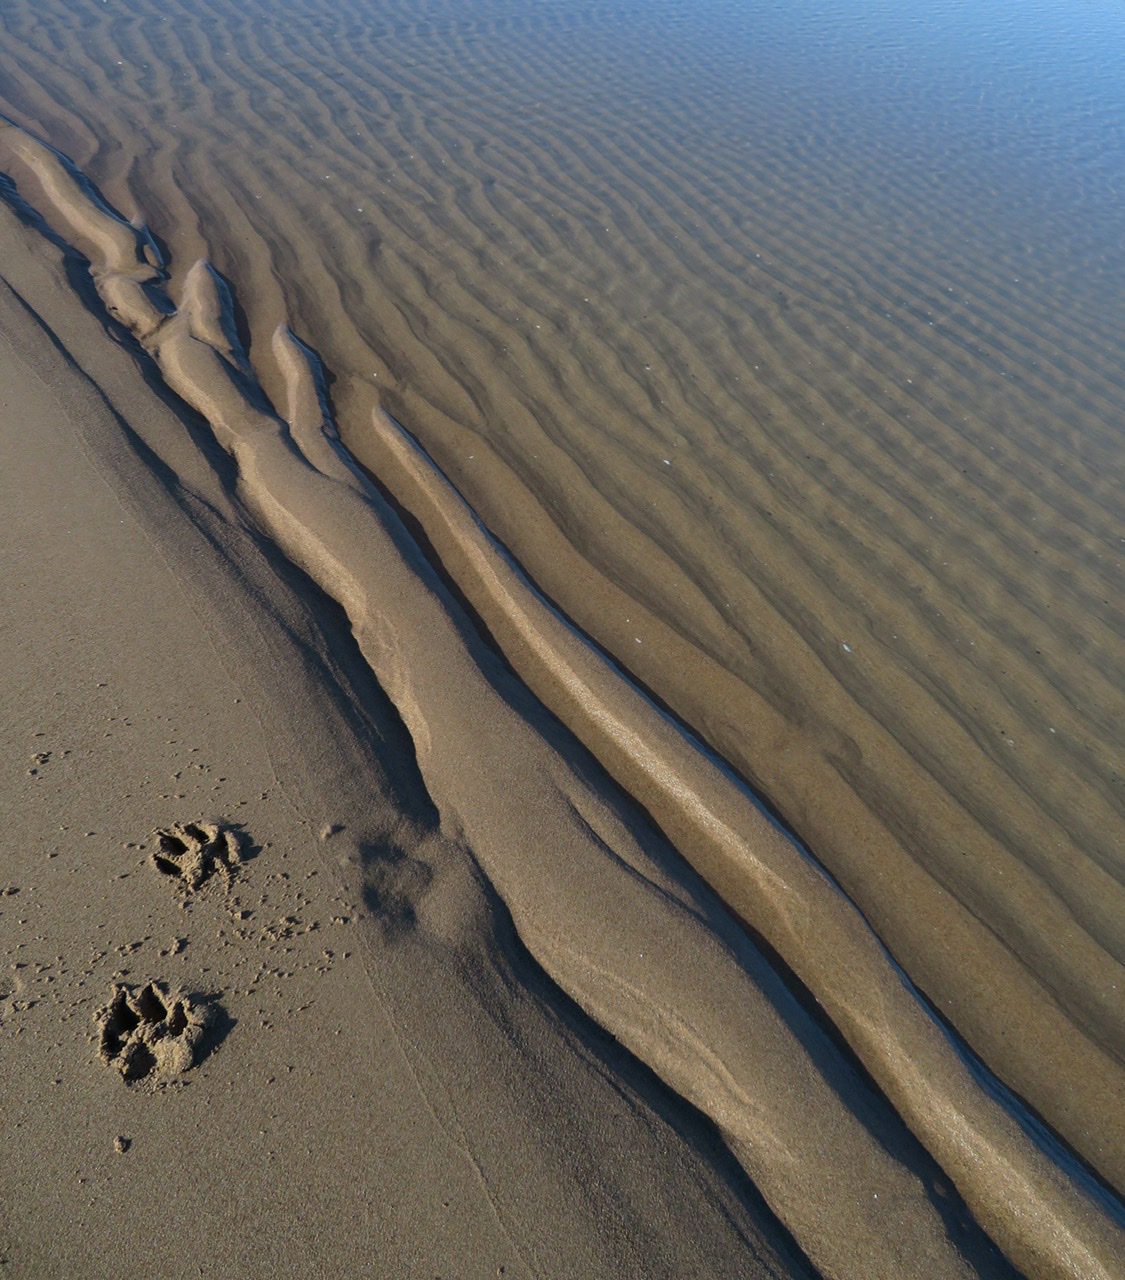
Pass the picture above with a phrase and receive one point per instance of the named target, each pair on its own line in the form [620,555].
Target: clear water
[782,343]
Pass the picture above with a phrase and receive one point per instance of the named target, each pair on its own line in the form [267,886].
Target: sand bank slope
[817,435]
[388,1086]
[594,892]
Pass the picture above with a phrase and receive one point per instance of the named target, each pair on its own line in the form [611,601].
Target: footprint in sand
[193,852]
[147,1032]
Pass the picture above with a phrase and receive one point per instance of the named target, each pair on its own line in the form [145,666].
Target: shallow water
[782,347]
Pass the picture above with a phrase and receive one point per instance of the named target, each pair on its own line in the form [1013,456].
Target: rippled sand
[843,497]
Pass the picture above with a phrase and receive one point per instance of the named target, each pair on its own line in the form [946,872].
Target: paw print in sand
[195,851]
[148,1032]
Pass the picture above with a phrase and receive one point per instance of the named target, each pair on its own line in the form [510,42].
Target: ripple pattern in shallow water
[799,400]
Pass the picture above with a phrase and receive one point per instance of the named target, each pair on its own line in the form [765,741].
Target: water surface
[782,346]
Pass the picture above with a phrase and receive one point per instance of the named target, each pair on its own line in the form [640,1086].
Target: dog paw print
[193,852]
[147,1032]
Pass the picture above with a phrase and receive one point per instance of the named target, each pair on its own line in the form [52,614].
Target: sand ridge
[813,433]
[392,1086]
[332,532]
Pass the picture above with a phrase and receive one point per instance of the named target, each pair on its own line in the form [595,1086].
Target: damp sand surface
[344,1081]
[808,430]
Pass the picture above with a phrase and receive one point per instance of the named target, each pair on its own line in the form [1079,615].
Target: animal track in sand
[149,1032]
[193,852]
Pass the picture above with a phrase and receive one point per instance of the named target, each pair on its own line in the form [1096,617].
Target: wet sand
[497,810]
[389,1085]
[904,637]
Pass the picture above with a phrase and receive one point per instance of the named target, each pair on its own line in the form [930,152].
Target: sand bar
[477,776]
[378,1096]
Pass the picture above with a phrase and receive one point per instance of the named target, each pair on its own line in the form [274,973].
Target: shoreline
[473,734]
[379,1098]
[871,560]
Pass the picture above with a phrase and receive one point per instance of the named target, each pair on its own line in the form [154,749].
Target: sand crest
[612,918]
[387,1084]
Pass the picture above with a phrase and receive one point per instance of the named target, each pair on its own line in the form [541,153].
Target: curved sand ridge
[593,891]
[456,1113]
[572,247]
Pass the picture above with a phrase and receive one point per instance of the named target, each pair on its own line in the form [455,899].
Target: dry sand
[447,1001]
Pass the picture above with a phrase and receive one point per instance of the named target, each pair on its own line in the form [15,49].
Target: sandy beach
[432,893]
[543,740]
[389,1086]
